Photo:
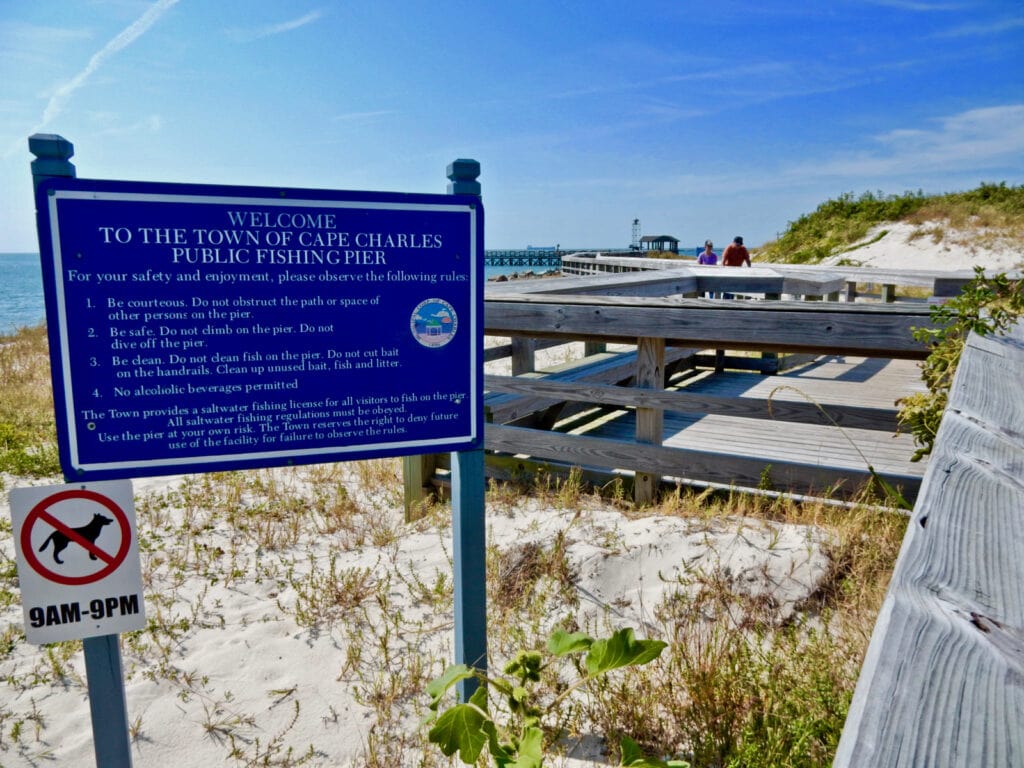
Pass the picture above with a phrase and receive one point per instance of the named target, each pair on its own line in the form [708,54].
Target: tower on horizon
[635,243]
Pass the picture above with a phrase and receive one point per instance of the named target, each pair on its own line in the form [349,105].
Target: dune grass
[27,433]
[738,685]
[990,211]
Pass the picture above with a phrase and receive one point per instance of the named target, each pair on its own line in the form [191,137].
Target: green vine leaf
[562,643]
[526,665]
[518,741]
[621,650]
[437,687]
[985,305]
[531,750]
[462,729]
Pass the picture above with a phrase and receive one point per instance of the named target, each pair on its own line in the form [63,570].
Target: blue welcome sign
[199,328]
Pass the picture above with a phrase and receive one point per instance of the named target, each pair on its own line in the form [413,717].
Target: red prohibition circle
[39,513]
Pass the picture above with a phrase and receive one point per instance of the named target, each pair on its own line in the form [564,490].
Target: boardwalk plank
[943,681]
[826,328]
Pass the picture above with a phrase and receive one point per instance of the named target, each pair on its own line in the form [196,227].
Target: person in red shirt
[735,254]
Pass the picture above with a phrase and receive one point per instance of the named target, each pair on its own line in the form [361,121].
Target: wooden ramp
[827,382]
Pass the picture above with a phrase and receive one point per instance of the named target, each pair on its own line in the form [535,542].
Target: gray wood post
[650,422]
[417,483]
[770,360]
[469,526]
[103,670]
[524,359]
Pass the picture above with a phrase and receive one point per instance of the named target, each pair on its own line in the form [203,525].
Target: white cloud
[982,30]
[269,30]
[976,139]
[126,37]
[918,5]
[150,124]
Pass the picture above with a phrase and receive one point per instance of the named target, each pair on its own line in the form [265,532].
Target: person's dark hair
[738,240]
[708,243]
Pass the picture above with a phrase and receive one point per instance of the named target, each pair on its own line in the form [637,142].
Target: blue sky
[701,119]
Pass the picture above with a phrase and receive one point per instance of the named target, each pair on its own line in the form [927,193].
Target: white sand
[934,246]
[238,663]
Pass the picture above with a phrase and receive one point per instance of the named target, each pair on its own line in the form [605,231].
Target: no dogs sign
[78,560]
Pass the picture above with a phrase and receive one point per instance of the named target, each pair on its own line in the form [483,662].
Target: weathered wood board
[800,427]
[779,326]
[943,681]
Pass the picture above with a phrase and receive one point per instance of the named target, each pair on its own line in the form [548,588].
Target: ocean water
[21,292]
[21,289]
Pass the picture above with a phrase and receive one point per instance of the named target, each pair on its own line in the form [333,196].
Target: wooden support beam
[650,421]
[523,357]
[847,416]
[417,484]
[744,471]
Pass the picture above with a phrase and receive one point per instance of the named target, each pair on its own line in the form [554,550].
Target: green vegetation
[837,225]
[986,305]
[28,437]
[518,742]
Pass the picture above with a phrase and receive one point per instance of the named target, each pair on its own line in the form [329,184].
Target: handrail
[942,283]
[942,683]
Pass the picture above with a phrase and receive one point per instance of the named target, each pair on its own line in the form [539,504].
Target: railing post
[650,422]
[417,486]
[108,708]
[523,355]
[770,360]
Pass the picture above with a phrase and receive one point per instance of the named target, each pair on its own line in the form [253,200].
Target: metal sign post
[469,529]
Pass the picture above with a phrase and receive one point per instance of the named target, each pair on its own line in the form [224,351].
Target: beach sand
[233,665]
[933,246]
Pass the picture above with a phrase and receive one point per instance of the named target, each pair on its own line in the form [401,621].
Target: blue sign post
[200,328]
[469,525]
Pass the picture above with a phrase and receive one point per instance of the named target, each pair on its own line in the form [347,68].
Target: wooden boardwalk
[828,382]
[717,425]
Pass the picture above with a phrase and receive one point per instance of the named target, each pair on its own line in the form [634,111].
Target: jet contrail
[126,37]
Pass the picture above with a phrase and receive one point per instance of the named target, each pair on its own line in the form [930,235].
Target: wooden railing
[666,331]
[890,283]
[942,684]
[657,325]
